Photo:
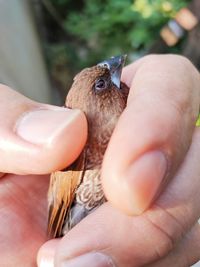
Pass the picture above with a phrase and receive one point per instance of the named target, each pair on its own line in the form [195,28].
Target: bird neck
[99,134]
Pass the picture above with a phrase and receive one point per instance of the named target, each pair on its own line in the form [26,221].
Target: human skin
[158,124]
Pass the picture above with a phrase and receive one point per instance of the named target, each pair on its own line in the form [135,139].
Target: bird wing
[63,185]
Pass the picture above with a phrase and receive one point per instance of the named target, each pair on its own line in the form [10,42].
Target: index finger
[154,132]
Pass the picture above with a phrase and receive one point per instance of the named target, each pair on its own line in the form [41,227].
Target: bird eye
[100,85]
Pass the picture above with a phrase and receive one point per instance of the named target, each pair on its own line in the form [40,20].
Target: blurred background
[44,43]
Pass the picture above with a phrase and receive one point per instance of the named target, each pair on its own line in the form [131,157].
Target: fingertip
[133,189]
[68,142]
[46,253]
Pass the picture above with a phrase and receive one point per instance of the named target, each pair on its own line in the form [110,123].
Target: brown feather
[63,185]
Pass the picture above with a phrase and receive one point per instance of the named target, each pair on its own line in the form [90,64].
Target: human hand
[154,148]
[34,139]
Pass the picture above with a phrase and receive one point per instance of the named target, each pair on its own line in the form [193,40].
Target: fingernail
[42,125]
[94,259]
[143,180]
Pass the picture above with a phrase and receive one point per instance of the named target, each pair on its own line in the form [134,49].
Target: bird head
[97,90]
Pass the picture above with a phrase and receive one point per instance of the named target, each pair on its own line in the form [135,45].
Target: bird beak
[115,66]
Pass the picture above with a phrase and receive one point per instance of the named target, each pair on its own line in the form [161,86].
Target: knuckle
[165,244]
[167,228]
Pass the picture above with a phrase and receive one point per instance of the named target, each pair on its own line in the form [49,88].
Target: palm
[22,219]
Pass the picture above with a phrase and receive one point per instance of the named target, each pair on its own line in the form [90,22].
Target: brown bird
[76,191]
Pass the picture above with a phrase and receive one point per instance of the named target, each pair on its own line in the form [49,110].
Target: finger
[46,254]
[124,239]
[186,253]
[37,138]
[154,132]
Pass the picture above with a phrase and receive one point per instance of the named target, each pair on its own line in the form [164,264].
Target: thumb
[37,138]
[154,132]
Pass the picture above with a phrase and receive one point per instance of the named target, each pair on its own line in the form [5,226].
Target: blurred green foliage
[117,26]
[198,121]
[97,29]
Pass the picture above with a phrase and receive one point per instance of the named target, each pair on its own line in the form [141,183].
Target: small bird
[77,191]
